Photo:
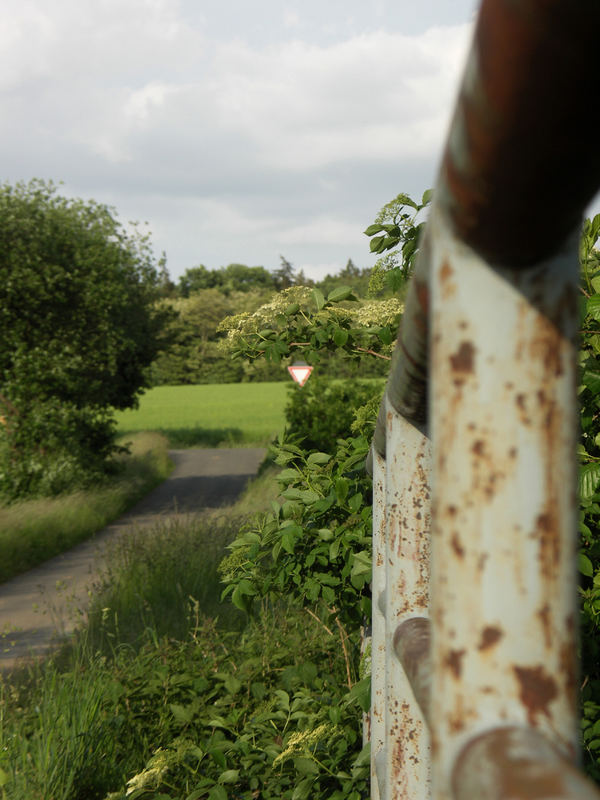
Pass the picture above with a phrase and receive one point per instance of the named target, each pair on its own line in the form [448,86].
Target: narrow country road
[41,604]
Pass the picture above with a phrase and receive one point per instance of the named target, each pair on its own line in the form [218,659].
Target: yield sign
[300,373]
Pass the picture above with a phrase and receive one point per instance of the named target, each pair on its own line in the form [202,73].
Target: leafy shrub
[322,411]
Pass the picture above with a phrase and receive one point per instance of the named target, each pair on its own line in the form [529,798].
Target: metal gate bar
[486,362]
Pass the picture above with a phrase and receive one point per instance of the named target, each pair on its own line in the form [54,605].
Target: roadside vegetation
[32,531]
[222,655]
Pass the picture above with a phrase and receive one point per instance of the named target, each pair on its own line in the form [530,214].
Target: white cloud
[293,144]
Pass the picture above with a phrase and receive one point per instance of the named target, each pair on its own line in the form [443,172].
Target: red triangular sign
[300,373]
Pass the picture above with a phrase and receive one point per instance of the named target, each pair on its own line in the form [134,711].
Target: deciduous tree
[78,328]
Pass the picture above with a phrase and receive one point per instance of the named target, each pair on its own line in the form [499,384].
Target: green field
[210,415]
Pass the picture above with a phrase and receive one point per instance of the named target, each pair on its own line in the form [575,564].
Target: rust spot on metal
[537,690]
[456,723]
[446,272]
[546,347]
[547,534]
[478,447]
[452,510]
[513,452]
[454,662]
[456,545]
[545,618]
[463,360]
[567,659]
[490,635]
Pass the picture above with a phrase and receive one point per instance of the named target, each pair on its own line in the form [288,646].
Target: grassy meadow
[210,415]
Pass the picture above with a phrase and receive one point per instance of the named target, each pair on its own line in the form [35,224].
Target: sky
[239,131]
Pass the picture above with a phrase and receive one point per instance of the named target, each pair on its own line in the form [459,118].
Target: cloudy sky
[238,130]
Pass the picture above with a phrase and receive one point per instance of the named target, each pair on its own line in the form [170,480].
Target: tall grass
[33,531]
[81,722]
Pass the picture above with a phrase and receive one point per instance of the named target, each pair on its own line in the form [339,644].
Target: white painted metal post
[503,420]
[407,596]
[490,323]
[378,651]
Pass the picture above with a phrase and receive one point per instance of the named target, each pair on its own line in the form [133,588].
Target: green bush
[322,411]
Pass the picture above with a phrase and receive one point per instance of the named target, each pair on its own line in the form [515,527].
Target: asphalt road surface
[44,604]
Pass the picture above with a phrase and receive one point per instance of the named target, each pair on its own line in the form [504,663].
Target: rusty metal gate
[474,660]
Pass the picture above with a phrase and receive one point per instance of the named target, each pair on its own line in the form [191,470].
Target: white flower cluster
[304,741]
[263,317]
[379,312]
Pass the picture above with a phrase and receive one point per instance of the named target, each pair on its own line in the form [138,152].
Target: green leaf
[585,566]
[319,298]
[219,759]
[427,195]
[3,777]
[304,789]
[593,305]
[340,337]
[292,309]
[355,502]
[288,538]
[339,294]
[376,244]
[287,475]
[318,458]
[385,335]
[284,698]
[373,229]
[341,489]
[306,766]
[589,479]
[229,776]
[364,757]
[361,563]
[360,693]
[592,381]
[217,793]
[182,715]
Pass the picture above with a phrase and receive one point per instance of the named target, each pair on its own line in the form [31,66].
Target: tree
[78,328]
[284,276]
[195,279]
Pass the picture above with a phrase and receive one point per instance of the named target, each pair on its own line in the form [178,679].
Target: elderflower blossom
[151,777]
[303,741]
[379,312]
[232,562]
[247,322]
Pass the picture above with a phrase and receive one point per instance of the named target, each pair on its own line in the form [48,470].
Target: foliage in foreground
[208,714]
[78,327]
[589,494]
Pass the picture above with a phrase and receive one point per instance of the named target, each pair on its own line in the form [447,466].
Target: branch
[330,632]
[373,353]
